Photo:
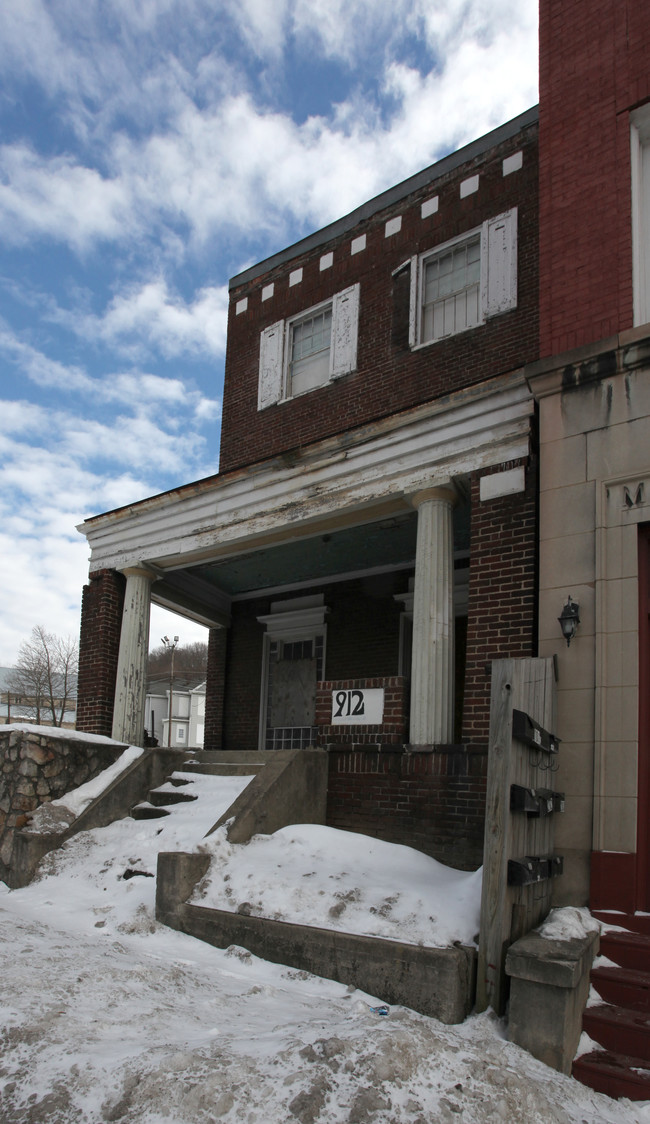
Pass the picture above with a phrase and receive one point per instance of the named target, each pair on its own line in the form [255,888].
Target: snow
[567,923]
[315,875]
[109,1016]
[59,732]
[79,798]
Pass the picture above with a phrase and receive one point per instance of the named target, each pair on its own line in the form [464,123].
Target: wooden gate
[521,803]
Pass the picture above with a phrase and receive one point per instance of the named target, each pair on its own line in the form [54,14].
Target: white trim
[338,477]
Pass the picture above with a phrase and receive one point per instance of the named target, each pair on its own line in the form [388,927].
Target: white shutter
[271,365]
[413,305]
[499,264]
[345,331]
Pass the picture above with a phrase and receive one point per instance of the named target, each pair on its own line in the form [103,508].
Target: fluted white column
[131,681]
[432,671]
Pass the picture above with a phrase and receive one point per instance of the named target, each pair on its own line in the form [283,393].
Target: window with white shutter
[309,350]
[464,282]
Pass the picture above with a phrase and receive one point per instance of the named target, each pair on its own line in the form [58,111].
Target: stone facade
[36,768]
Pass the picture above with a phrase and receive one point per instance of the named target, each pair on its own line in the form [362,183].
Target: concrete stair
[173,791]
[621,1024]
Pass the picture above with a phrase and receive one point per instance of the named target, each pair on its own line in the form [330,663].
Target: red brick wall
[215,688]
[389,377]
[502,594]
[101,623]
[393,729]
[593,70]
[431,800]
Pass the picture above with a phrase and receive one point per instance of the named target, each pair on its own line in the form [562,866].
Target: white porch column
[432,671]
[131,681]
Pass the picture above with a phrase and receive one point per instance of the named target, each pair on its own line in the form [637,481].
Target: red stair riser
[620,1031]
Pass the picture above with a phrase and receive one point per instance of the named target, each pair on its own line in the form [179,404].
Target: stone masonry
[37,767]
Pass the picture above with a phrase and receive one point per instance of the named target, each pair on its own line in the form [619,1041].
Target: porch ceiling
[205,591]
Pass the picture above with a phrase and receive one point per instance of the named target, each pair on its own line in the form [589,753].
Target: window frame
[274,380]
[497,272]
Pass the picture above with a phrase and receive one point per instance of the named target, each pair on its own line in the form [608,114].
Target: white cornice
[371,468]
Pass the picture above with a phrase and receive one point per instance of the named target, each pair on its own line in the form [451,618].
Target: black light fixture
[569,620]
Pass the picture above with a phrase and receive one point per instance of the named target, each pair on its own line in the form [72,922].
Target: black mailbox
[525,729]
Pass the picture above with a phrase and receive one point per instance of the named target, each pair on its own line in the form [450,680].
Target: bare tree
[45,675]
[189,659]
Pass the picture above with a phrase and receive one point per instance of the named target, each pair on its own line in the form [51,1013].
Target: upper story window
[640,160]
[309,350]
[464,282]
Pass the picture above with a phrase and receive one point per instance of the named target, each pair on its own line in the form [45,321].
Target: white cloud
[151,313]
[238,167]
[60,198]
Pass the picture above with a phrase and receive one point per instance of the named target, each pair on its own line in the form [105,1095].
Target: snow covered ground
[108,1016]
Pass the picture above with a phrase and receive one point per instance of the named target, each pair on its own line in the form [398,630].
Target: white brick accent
[326,261]
[513,163]
[267,291]
[358,244]
[429,207]
[469,186]
[503,484]
[296,277]
[241,306]
[393,226]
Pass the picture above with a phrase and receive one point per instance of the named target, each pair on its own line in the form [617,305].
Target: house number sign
[358,707]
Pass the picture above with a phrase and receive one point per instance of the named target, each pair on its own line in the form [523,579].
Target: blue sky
[150,150]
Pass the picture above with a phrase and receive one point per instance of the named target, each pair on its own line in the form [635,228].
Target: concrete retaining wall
[291,788]
[436,981]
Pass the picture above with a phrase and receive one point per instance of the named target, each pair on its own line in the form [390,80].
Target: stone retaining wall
[38,766]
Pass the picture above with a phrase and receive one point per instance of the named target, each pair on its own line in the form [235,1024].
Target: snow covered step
[619,1030]
[617,1075]
[630,950]
[624,987]
[160,797]
[635,922]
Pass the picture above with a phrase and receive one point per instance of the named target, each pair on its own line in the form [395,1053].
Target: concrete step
[617,1075]
[223,768]
[225,756]
[629,950]
[620,1030]
[160,798]
[147,811]
[624,987]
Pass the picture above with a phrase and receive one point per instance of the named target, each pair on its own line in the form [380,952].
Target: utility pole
[171,648]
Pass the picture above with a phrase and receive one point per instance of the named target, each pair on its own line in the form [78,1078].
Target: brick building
[435,431]
[371,535]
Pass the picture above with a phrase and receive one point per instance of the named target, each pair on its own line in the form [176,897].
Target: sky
[109,1015]
[149,151]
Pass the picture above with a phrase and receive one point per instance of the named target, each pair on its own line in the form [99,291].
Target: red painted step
[614,1074]
[630,950]
[635,922]
[623,986]
[619,1030]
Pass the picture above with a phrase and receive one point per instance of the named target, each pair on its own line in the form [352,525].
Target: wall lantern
[569,620]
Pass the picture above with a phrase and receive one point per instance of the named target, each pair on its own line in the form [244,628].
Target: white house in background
[188,713]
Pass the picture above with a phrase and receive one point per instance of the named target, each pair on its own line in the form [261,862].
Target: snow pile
[314,875]
[109,1016]
[73,803]
[568,922]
